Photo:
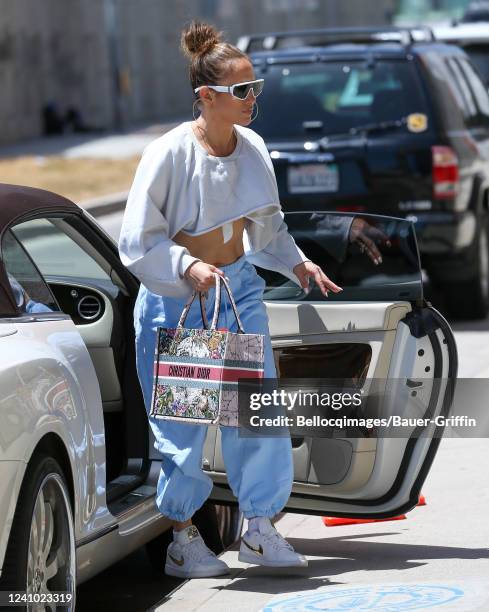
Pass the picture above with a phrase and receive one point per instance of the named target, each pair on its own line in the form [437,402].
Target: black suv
[388,121]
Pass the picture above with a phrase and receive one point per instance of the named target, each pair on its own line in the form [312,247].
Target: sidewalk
[114,145]
[110,145]
[437,557]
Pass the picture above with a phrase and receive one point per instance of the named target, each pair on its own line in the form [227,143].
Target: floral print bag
[196,371]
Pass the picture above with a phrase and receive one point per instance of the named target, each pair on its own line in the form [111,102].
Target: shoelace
[277,541]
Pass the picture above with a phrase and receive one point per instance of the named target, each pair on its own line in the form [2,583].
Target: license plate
[313,178]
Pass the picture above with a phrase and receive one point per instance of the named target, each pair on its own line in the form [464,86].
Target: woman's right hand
[201,275]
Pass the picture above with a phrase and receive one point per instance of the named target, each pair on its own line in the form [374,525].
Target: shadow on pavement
[350,553]
[131,585]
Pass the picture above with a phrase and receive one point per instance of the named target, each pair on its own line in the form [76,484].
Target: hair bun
[199,38]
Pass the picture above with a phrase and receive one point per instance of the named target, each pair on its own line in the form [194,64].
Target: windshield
[334,243]
[335,97]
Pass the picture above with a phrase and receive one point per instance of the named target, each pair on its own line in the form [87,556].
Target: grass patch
[77,179]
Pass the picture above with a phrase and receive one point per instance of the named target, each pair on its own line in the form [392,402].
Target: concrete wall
[51,51]
[67,51]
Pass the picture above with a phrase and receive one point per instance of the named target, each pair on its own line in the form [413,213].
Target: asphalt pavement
[438,557]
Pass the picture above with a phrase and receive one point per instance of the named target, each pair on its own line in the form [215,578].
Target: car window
[340,94]
[461,87]
[477,87]
[334,242]
[479,55]
[449,100]
[55,252]
[31,293]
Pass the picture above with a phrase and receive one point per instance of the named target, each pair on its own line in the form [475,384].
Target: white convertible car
[78,469]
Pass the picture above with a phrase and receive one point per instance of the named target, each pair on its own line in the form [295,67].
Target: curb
[105,205]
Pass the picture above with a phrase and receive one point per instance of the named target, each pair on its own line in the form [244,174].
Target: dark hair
[208,53]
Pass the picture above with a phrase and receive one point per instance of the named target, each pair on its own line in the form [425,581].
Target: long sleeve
[145,247]
[280,254]
[267,243]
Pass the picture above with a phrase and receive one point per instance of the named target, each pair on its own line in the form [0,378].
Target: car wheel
[230,520]
[469,299]
[156,550]
[40,557]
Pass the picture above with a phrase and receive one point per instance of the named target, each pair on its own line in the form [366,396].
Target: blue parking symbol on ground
[375,598]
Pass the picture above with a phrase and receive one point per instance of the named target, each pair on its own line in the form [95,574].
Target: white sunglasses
[238,90]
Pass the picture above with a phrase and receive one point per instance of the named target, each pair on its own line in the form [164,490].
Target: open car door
[378,333]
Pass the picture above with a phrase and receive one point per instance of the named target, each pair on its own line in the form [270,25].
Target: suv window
[341,94]
[478,88]
[448,98]
[479,54]
[460,85]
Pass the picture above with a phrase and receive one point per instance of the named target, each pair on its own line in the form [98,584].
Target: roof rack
[326,36]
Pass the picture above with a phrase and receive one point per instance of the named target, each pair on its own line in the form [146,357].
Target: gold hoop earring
[253,118]
[193,109]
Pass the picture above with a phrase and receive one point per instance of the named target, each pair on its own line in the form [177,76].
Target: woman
[204,200]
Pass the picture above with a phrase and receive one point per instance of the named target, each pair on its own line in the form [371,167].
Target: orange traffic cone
[334,521]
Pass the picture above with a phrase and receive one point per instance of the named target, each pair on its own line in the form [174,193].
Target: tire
[43,503]
[156,551]
[469,299]
[206,521]
[230,520]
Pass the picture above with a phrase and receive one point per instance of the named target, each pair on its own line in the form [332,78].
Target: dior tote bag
[196,371]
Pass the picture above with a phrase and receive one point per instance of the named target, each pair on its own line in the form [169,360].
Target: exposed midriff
[210,246]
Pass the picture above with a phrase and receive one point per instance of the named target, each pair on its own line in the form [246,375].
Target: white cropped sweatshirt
[179,186]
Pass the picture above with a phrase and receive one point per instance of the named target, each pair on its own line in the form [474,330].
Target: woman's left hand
[306,269]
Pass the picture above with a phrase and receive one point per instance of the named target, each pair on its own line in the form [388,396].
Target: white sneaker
[188,556]
[267,547]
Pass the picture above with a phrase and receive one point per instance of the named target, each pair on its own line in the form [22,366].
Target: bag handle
[217,303]
[186,308]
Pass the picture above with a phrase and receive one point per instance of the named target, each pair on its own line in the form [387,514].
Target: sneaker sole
[249,557]
[203,573]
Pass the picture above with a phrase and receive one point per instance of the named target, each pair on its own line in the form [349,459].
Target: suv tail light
[445,172]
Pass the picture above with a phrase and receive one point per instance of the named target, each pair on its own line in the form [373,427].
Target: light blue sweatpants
[259,469]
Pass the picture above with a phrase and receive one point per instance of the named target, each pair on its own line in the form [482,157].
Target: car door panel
[97,334]
[304,318]
[376,349]
[380,481]
[290,330]
[401,349]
